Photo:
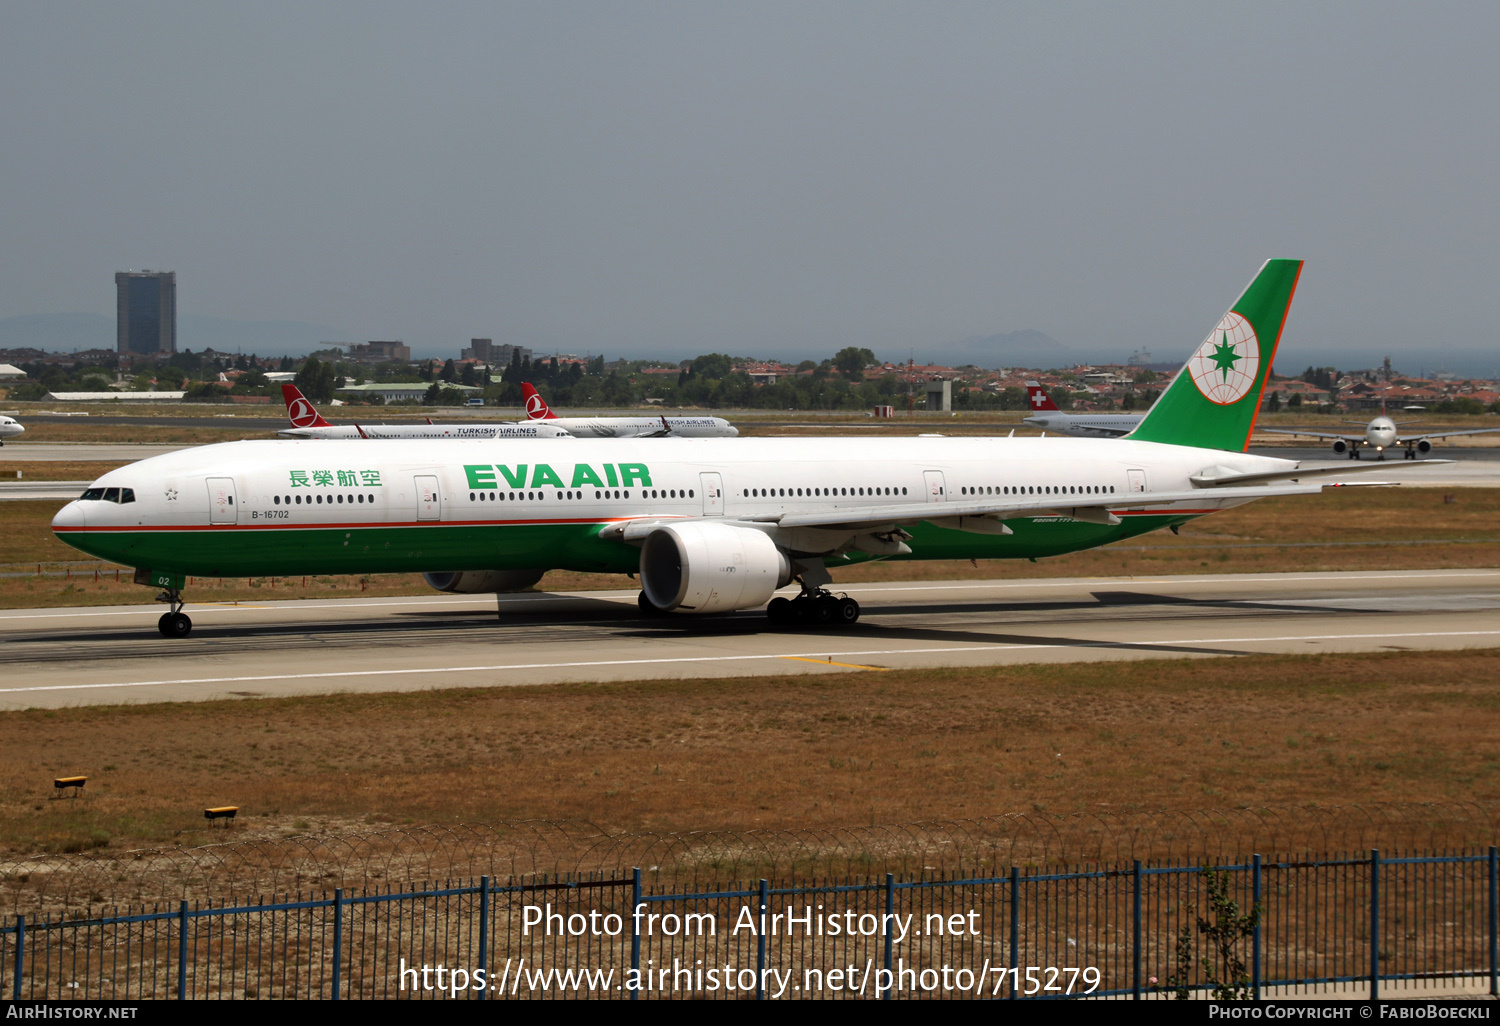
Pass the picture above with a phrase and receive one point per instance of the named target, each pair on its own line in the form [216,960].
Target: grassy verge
[768,752]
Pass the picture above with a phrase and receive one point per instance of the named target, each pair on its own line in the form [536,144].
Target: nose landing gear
[174,624]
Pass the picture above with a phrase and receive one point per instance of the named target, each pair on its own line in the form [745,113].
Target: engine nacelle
[708,567]
[479,582]
[1341,447]
[1424,447]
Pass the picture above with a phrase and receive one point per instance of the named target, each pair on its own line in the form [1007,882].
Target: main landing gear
[174,624]
[817,609]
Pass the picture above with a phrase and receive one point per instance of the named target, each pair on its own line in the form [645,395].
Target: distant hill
[1026,348]
[65,332]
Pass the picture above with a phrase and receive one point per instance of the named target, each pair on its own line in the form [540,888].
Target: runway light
[76,783]
[225,812]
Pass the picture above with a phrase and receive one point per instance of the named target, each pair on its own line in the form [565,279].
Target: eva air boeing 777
[710,525]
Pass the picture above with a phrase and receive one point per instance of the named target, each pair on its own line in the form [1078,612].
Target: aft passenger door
[221,505]
[936,490]
[713,494]
[429,499]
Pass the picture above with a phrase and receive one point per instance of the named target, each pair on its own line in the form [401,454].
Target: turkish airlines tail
[1039,400]
[299,409]
[536,406]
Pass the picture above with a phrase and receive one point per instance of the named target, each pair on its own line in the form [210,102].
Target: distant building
[146,312]
[404,391]
[485,351]
[9,373]
[380,352]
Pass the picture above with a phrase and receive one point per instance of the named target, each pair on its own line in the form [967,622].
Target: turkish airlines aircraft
[626,427]
[8,428]
[307,422]
[710,526]
[1045,414]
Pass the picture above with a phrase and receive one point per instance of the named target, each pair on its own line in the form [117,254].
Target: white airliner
[9,427]
[307,422]
[625,427]
[710,526]
[1045,414]
[1380,434]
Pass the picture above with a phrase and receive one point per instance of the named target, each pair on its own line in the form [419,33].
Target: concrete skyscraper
[146,312]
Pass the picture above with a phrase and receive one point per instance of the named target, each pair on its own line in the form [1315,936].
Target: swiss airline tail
[536,406]
[299,409]
[1039,400]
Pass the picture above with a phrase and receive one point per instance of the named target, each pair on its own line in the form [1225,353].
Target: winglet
[299,409]
[536,406]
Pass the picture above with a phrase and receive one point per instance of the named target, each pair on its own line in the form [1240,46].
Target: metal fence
[1126,930]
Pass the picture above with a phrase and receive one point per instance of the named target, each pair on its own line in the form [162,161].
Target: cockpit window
[118,495]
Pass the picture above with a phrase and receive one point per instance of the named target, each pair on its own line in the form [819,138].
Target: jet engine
[1424,447]
[707,567]
[478,582]
[1341,447]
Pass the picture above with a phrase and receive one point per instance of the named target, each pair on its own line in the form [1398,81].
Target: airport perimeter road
[107,655]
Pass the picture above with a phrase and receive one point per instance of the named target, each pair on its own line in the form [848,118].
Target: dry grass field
[768,752]
[1345,529]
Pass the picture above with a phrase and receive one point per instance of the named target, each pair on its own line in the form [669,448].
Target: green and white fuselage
[303,507]
[710,524]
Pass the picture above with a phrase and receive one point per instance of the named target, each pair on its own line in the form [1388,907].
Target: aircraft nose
[70,516]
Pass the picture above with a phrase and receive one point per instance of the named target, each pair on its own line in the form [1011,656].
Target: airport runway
[68,657]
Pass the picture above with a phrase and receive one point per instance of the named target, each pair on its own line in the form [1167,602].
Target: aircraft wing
[1218,477]
[1403,439]
[1093,509]
[1310,434]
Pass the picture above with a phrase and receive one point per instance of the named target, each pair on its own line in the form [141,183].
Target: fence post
[15,982]
[1015,930]
[182,951]
[1374,924]
[760,948]
[484,933]
[338,938]
[1255,937]
[1494,916]
[890,917]
[1135,944]
[635,936]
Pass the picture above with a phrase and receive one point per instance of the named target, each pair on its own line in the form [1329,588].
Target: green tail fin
[1213,400]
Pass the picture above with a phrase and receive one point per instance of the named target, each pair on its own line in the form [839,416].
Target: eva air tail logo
[1225,366]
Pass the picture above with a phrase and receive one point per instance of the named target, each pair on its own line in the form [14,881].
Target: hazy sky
[761,178]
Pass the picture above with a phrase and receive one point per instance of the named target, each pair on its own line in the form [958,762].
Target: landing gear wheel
[1354,454]
[820,610]
[780,610]
[176,625]
[161,624]
[846,612]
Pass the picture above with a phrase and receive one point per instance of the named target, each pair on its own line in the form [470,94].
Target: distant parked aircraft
[307,422]
[1380,434]
[1045,414]
[625,427]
